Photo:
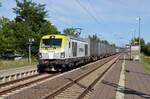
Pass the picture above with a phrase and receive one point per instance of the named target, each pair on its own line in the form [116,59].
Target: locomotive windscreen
[52,43]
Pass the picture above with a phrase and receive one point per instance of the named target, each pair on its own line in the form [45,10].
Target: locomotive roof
[71,37]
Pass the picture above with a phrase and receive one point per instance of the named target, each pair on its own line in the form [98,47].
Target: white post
[29,51]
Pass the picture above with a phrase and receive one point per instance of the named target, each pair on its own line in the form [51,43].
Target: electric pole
[139,32]
[139,22]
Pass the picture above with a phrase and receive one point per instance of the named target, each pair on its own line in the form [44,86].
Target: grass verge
[146,61]
[4,64]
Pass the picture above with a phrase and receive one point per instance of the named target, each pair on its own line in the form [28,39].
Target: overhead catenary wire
[55,17]
[88,12]
[93,8]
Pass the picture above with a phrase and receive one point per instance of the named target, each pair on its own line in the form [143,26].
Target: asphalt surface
[137,81]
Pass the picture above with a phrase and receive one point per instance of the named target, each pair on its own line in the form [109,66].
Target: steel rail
[17,80]
[61,89]
[95,81]
[19,86]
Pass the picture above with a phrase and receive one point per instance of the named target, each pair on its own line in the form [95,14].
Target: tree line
[72,32]
[30,22]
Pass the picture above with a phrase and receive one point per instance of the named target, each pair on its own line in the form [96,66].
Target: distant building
[135,50]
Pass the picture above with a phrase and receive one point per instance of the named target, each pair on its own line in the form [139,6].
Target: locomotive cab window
[52,43]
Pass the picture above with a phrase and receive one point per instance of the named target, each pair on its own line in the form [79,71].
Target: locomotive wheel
[40,70]
[62,68]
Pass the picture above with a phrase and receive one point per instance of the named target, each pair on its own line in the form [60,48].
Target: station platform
[126,80]
[137,81]
[11,71]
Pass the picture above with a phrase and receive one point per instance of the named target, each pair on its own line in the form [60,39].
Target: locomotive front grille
[57,55]
[45,56]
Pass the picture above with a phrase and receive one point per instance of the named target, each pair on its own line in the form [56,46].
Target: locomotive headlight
[62,54]
[40,55]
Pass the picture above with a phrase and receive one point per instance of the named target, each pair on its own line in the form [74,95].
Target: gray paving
[137,81]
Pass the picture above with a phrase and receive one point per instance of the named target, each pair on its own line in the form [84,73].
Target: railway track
[8,87]
[17,80]
[67,84]
[79,87]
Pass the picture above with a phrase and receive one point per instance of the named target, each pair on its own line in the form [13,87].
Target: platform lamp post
[139,21]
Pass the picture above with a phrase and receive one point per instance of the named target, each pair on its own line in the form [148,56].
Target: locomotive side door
[70,49]
[73,48]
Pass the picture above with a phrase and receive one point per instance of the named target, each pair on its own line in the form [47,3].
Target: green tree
[114,45]
[70,31]
[146,49]
[94,37]
[135,41]
[33,15]
[3,21]
[48,28]
[21,36]
[105,41]
[6,35]
[30,22]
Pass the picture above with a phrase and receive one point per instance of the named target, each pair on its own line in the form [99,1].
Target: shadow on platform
[128,71]
[126,90]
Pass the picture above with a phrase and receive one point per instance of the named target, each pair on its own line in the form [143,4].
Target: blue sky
[113,20]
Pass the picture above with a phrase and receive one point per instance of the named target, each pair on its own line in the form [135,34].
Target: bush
[146,49]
